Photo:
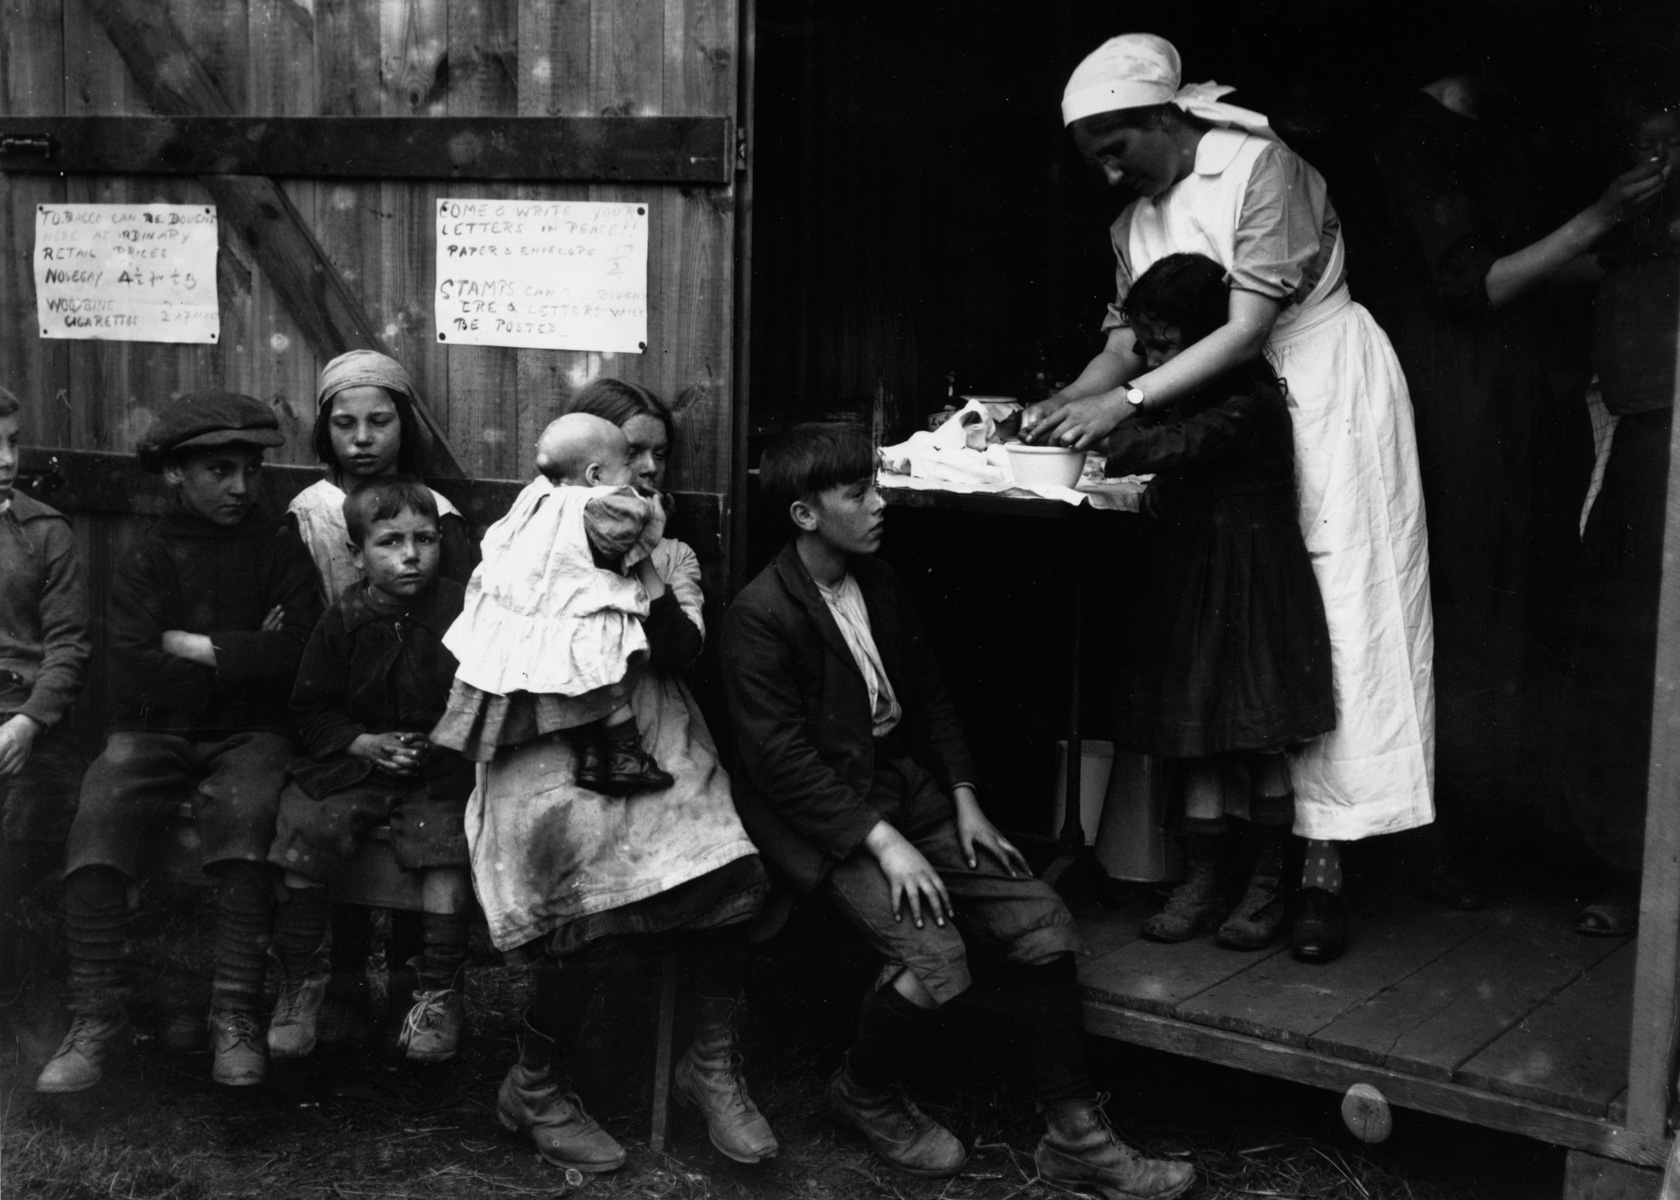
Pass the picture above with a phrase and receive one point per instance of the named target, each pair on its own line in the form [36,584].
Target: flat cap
[208,419]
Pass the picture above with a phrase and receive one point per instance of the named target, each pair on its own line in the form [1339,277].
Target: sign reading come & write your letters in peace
[543,274]
[126,272]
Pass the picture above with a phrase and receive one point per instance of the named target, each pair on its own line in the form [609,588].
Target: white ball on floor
[1365,1112]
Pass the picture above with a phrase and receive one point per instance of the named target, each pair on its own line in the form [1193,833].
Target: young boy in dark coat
[375,678]
[208,616]
[856,778]
[44,648]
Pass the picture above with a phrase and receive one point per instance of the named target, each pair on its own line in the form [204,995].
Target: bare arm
[1548,259]
[1083,421]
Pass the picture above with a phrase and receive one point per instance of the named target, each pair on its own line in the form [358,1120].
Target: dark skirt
[1231,651]
[1606,743]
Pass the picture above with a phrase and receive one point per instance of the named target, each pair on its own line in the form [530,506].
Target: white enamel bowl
[1041,466]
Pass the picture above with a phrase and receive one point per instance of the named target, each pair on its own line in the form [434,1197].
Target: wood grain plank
[554,81]
[414,48]
[696,267]
[1572,1051]
[280,363]
[1159,978]
[1493,1111]
[1288,1001]
[32,80]
[1110,930]
[484,380]
[1442,1015]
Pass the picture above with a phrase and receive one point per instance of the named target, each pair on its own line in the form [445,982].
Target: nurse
[1211,178]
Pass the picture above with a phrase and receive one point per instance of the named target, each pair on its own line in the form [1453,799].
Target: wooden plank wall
[373,58]
[579,58]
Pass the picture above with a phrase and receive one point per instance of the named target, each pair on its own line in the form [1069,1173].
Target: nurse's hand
[1083,422]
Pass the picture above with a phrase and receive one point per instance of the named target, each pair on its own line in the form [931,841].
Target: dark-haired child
[209,613]
[856,778]
[44,648]
[551,636]
[366,429]
[1228,663]
[374,679]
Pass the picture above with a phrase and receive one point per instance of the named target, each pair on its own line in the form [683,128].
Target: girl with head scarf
[365,428]
[1211,178]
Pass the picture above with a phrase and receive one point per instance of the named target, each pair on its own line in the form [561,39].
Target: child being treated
[374,679]
[209,613]
[856,778]
[551,635]
[1228,661]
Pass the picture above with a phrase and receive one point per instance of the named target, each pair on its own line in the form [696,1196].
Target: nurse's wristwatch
[1134,397]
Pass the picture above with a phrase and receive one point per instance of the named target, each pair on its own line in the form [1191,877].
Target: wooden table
[1074,869]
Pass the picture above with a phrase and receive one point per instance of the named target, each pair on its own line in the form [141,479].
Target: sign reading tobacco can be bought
[126,272]
[543,274]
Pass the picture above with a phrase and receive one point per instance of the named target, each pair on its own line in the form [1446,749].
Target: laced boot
[1081,1152]
[237,1046]
[1256,920]
[709,1078]
[531,1101]
[1196,905]
[894,1127]
[96,1032]
[432,1030]
[303,988]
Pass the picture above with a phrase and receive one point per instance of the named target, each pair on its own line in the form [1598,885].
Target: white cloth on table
[539,615]
[845,603]
[319,510]
[545,851]
[1356,462]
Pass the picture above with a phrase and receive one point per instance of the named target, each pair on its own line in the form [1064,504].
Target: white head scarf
[1140,70]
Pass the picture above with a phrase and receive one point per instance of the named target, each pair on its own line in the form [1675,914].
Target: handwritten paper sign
[546,274]
[126,272]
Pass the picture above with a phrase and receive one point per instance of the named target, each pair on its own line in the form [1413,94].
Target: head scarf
[1140,70]
[369,368]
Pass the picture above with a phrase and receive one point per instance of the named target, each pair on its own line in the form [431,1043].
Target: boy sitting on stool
[374,679]
[208,617]
[856,778]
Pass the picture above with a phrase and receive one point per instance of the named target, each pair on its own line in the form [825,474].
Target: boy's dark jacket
[368,672]
[199,577]
[801,715]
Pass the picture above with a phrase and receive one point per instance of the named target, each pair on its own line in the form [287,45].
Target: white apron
[1361,516]
[546,851]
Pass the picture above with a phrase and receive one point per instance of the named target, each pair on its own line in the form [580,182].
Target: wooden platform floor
[1506,1017]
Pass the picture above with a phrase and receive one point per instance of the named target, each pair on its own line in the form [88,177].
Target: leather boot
[97,1030]
[895,1128]
[1080,1152]
[532,1102]
[237,1049]
[1256,919]
[1196,905]
[709,1078]
[303,987]
[432,1030]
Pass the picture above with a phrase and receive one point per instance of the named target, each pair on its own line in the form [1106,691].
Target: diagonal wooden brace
[328,312]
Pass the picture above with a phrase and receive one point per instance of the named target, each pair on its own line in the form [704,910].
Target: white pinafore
[1361,514]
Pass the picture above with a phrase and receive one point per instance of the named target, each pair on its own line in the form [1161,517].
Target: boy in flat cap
[208,617]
